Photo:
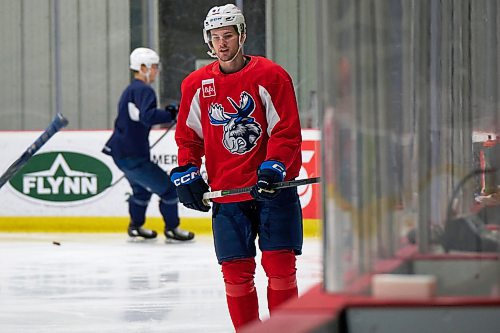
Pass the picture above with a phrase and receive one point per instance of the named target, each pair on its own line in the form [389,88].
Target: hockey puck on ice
[56,243]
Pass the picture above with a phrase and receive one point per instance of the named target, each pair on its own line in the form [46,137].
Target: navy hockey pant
[146,178]
[277,222]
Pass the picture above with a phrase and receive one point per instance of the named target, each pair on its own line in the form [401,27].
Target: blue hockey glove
[190,186]
[173,109]
[269,172]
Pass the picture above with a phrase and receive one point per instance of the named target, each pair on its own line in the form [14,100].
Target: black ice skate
[178,234]
[135,232]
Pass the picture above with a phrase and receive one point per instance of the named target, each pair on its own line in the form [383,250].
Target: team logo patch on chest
[208,88]
[241,131]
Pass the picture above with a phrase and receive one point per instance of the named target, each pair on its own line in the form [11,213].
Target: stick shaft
[57,123]
[163,135]
[280,185]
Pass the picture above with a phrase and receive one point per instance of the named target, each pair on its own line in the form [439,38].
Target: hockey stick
[163,135]
[151,147]
[291,183]
[57,123]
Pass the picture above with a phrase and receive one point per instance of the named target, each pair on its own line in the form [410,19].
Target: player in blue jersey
[129,147]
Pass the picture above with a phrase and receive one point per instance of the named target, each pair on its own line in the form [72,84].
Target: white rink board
[112,201]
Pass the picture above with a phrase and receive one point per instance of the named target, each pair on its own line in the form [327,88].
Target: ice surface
[104,283]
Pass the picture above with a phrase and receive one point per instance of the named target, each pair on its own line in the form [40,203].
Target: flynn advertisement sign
[61,177]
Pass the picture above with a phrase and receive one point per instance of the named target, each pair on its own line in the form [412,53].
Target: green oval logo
[60,177]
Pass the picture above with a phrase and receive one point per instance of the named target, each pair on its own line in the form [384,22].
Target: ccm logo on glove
[186,177]
[190,186]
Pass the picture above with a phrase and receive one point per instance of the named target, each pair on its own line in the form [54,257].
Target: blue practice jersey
[137,112]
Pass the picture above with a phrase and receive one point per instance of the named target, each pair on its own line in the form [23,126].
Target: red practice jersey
[238,121]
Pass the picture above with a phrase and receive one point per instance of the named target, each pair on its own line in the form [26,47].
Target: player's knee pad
[170,195]
[139,200]
[239,276]
[169,201]
[280,269]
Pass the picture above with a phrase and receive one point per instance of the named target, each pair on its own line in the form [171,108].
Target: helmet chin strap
[147,75]
[239,49]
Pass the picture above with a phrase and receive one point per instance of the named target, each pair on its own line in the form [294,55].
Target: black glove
[173,109]
[190,186]
[269,172]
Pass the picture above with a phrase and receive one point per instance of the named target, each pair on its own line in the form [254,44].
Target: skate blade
[176,241]
[139,239]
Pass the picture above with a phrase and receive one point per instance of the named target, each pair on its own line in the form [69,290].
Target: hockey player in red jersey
[240,112]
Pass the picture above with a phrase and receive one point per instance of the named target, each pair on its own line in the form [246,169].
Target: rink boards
[70,185]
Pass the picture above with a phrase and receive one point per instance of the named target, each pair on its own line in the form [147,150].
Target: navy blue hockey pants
[277,222]
[146,178]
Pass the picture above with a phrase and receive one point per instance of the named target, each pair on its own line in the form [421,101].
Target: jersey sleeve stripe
[194,117]
[271,114]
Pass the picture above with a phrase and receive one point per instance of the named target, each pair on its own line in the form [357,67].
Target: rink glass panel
[404,86]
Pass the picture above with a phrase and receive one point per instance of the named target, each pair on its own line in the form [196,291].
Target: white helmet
[223,16]
[143,56]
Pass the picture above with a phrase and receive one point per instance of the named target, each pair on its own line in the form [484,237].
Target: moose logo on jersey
[241,131]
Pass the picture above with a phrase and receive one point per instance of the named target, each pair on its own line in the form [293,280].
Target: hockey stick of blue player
[151,147]
[163,135]
[291,183]
[57,124]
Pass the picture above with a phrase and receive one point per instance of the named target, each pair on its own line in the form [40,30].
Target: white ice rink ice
[103,283]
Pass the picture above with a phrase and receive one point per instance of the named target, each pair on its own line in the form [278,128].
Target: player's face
[225,42]
[153,71]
